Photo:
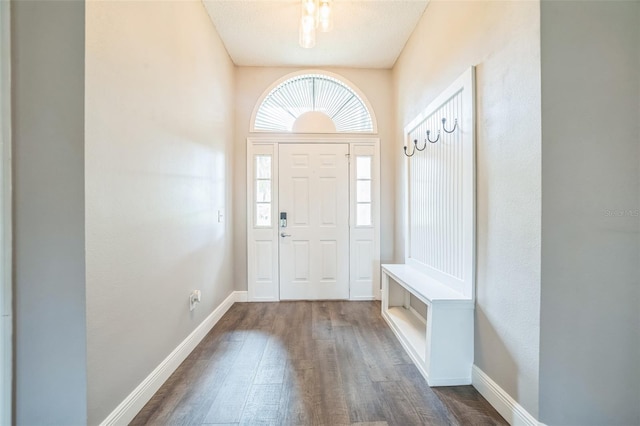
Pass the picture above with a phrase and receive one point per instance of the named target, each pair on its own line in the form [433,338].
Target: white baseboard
[261,299]
[362,298]
[504,404]
[132,404]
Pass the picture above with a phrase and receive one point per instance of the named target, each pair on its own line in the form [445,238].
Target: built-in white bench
[441,345]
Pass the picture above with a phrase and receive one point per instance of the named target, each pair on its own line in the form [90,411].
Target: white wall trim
[132,404]
[508,408]
[241,296]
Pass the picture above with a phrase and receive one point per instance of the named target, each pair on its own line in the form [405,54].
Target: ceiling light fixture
[314,14]
[324,16]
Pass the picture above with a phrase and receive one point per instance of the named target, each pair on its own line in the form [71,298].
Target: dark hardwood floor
[307,363]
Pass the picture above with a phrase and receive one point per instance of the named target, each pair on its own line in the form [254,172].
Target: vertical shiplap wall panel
[441,188]
[435,197]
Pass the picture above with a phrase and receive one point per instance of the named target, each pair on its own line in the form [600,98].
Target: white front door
[314,244]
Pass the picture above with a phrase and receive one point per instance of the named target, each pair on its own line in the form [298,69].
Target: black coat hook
[455,124]
[415,145]
[429,139]
[415,142]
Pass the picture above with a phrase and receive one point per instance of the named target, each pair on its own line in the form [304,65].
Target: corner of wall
[49,216]
[502,39]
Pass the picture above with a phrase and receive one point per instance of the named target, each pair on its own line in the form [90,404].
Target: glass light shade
[310,8]
[326,25]
[307,32]
[324,16]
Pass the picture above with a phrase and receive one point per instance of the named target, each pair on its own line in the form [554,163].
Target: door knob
[284,235]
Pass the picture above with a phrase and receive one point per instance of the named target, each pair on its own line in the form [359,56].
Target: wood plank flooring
[307,363]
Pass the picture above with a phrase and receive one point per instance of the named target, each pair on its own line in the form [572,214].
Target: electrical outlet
[194,298]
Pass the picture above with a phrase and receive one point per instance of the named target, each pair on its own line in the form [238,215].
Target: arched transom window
[313,103]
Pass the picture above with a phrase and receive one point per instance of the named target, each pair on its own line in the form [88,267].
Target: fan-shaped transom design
[319,93]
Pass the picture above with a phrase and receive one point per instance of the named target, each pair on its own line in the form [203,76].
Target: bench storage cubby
[441,345]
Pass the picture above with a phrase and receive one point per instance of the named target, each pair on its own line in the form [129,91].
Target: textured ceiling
[366,33]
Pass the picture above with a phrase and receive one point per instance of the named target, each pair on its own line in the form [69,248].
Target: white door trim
[6,324]
[263,280]
[275,138]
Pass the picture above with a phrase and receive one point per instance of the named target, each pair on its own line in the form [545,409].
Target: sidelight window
[363,190]
[263,187]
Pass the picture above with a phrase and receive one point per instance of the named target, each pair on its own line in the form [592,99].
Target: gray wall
[159,144]
[48,144]
[6,274]
[590,296]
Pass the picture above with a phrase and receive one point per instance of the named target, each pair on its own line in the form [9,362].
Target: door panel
[314,192]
